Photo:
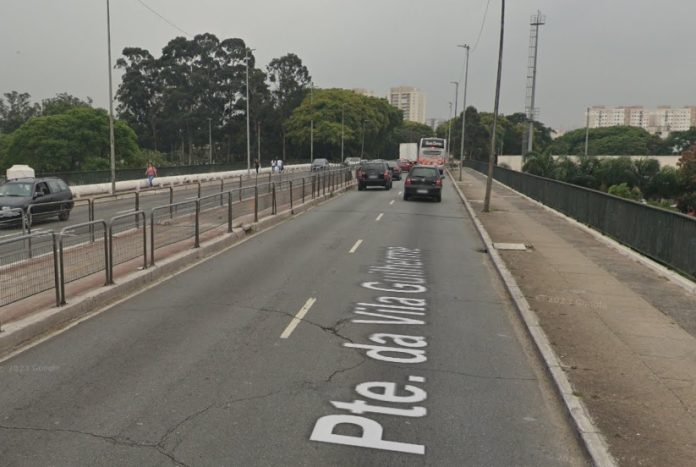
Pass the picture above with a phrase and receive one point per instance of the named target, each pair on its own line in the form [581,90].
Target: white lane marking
[379,217]
[401,192]
[391,202]
[356,246]
[298,317]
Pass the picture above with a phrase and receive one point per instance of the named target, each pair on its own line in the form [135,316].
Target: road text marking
[298,317]
[356,246]
[379,217]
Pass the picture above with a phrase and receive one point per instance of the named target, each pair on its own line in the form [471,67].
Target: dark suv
[423,180]
[373,173]
[47,196]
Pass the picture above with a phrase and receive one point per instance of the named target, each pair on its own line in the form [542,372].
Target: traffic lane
[488,402]
[198,341]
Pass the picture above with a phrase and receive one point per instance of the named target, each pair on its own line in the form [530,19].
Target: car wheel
[406,197]
[438,198]
[64,214]
[361,187]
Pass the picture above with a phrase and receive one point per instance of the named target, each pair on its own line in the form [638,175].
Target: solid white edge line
[298,317]
[355,247]
[592,437]
[379,217]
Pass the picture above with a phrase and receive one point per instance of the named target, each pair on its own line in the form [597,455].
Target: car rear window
[56,186]
[423,172]
[374,166]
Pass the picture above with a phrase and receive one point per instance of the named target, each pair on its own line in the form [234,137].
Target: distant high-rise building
[661,121]
[410,101]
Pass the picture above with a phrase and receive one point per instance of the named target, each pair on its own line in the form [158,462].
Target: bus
[433,151]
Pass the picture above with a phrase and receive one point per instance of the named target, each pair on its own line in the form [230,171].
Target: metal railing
[665,236]
[99,246]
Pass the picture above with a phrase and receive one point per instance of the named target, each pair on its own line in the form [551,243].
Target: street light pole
[311,123]
[210,141]
[449,127]
[362,146]
[456,100]
[342,131]
[491,156]
[112,145]
[248,130]
[466,78]
[587,129]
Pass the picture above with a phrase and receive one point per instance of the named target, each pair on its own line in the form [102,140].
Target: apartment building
[410,101]
[662,120]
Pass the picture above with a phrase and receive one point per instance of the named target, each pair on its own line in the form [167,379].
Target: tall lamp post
[449,127]
[456,99]
[343,122]
[112,145]
[311,123]
[466,78]
[248,130]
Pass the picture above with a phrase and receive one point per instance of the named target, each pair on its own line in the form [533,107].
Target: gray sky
[614,52]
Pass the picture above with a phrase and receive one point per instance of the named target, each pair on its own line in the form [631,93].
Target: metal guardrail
[88,248]
[665,236]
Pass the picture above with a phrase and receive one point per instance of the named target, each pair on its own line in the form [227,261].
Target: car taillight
[438,182]
[407,181]
[386,173]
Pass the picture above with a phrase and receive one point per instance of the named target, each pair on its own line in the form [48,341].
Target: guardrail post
[303,183]
[292,209]
[171,201]
[137,208]
[229,211]
[110,258]
[56,278]
[256,203]
[323,185]
[199,188]
[152,236]
[273,198]
[90,218]
[106,254]
[240,188]
[222,190]
[197,242]
[144,240]
[62,270]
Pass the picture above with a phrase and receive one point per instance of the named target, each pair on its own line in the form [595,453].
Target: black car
[48,197]
[373,173]
[320,164]
[425,181]
[395,170]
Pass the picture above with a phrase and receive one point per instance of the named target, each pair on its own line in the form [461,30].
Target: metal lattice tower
[528,137]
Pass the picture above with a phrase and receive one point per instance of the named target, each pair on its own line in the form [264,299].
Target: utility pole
[466,78]
[536,21]
[112,143]
[456,100]
[449,127]
[311,123]
[258,142]
[247,113]
[343,122]
[587,129]
[491,157]
[210,141]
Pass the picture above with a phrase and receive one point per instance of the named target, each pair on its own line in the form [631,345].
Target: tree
[616,140]
[75,140]
[680,141]
[616,171]
[62,103]
[539,164]
[624,191]
[15,110]
[664,185]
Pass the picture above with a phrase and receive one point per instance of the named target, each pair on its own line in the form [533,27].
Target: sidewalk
[625,335]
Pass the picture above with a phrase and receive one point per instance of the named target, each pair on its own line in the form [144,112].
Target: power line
[162,17]
[483,23]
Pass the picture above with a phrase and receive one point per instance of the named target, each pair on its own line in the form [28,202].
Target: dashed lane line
[379,217]
[356,246]
[298,317]
[391,202]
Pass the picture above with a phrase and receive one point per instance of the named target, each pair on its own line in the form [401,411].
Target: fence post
[303,183]
[229,211]
[240,188]
[256,203]
[152,236]
[199,188]
[197,242]
[55,269]
[273,199]
[292,210]
[171,201]
[137,208]
[62,271]
[90,218]
[144,240]
[323,185]
[109,258]
[222,190]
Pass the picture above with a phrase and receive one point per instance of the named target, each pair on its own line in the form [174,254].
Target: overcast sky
[591,52]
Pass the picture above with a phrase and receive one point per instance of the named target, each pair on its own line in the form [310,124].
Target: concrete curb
[19,335]
[592,438]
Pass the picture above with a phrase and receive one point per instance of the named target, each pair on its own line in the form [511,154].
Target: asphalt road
[407,353]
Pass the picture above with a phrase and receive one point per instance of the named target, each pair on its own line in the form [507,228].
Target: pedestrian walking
[257,165]
[274,165]
[279,164]
[150,173]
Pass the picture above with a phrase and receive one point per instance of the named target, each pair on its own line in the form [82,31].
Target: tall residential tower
[410,101]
